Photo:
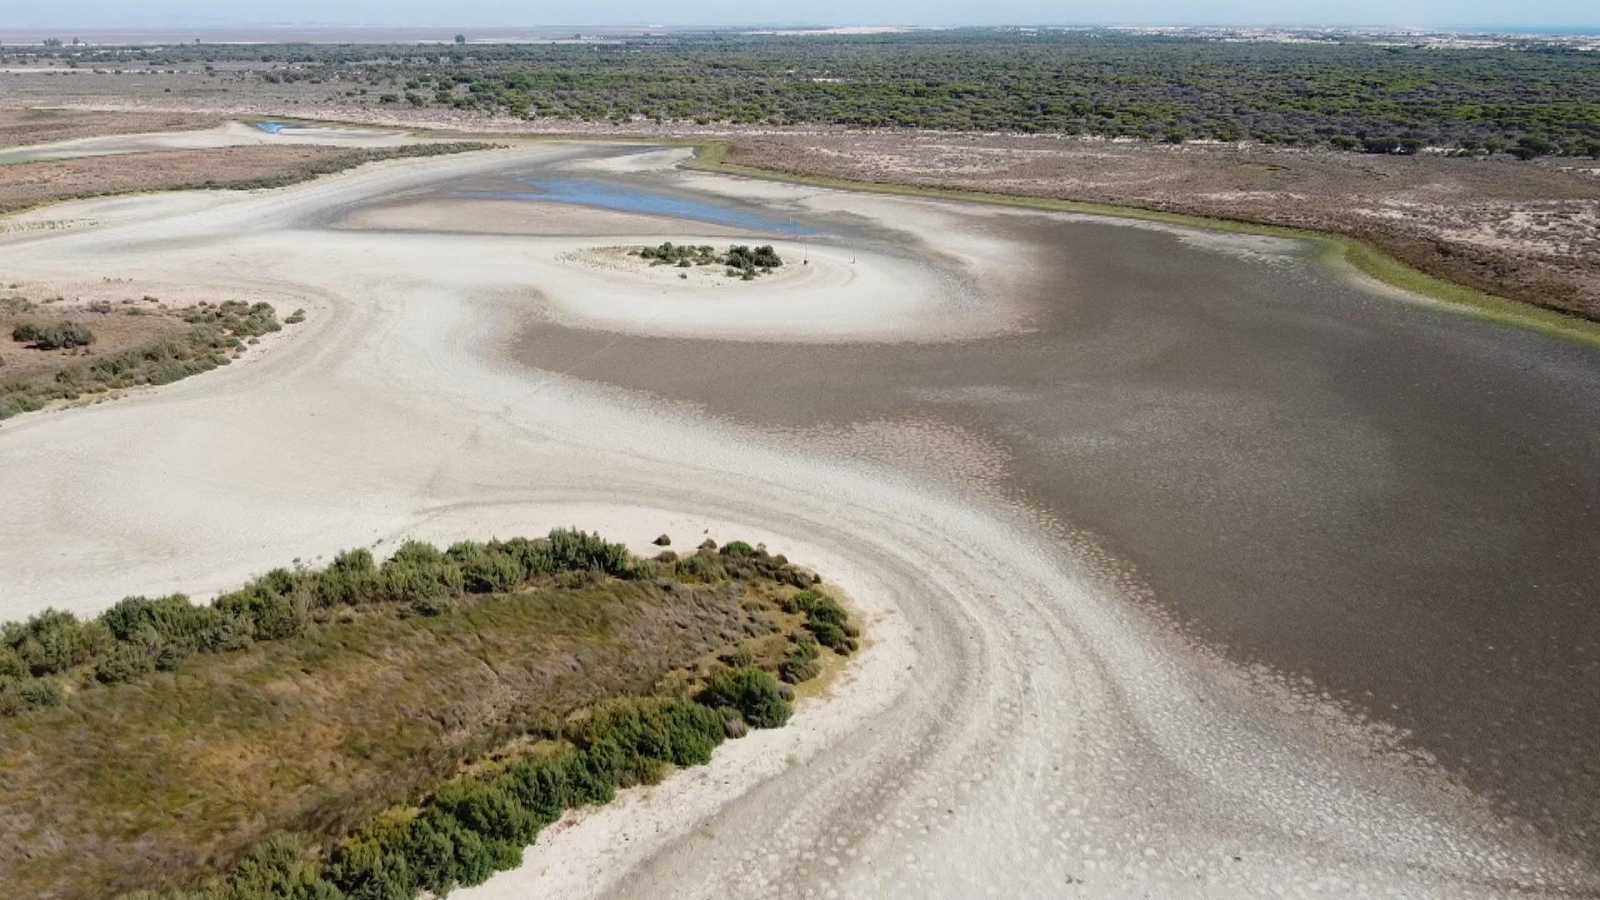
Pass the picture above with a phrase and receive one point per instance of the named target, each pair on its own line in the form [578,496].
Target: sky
[15,14]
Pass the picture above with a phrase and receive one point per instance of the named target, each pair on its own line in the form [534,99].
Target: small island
[741,261]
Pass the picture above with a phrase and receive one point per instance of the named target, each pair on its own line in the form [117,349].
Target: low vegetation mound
[53,335]
[210,335]
[740,261]
[378,729]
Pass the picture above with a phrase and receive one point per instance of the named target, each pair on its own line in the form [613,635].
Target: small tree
[461,39]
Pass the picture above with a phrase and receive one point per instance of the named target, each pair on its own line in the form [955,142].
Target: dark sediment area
[1397,503]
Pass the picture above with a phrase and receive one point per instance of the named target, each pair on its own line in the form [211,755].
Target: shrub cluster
[53,335]
[219,331]
[825,619]
[471,828]
[140,635]
[740,260]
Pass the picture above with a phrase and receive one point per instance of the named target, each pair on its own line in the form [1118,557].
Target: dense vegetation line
[1336,249]
[217,334]
[379,729]
[1344,91]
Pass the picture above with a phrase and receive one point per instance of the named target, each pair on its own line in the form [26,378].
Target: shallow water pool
[637,199]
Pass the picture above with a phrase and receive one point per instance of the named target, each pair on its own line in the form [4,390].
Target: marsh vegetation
[379,728]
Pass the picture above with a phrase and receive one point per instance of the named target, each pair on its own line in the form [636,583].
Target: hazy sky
[157,13]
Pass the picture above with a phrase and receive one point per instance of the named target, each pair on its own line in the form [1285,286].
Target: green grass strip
[1338,251]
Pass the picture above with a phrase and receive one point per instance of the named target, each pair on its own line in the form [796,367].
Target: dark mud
[1399,504]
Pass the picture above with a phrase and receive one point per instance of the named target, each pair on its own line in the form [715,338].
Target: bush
[18,695]
[53,641]
[53,335]
[572,550]
[631,739]
[753,692]
[172,618]
[825,619]
[279,868]
[125,662]
[802,664]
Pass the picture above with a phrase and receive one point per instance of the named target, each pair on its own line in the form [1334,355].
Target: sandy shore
[1015,729]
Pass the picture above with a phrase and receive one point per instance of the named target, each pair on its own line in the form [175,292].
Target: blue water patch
[628,198]
[271,127]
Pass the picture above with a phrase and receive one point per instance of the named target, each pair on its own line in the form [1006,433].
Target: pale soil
[1519,230]
[1015,728]
[228,134]
[821,293]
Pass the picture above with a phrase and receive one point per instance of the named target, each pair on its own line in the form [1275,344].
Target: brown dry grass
[153,783]
[114,331]
[30,184]
[21,127]
[1525,231]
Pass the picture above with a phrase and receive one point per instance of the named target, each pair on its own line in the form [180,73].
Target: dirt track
[1017,727]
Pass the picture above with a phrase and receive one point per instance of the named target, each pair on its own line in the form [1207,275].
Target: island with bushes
[739,261]
[384,728]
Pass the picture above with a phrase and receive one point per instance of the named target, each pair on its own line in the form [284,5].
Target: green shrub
[825,619]
[700,567]
[18,695]
[796,668]
[11,665]
[737,548]
[570,549]
[630,739]
[280,868]
[124,662]
[801,664]
[172,618]
[53,335]
[53,641]
[487,569]
[753,692]
[272,607]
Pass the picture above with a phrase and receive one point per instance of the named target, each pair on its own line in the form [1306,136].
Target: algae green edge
[1337,251]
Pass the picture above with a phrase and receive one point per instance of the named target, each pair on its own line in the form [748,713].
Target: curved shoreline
[1338,250]
[1358,257]
[1035,714]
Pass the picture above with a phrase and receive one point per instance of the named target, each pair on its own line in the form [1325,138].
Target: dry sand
[230,134]
[1014,730]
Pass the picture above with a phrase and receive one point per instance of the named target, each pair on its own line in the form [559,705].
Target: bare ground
[1525,231]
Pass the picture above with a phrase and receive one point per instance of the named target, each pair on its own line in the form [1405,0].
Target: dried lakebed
[1028,445]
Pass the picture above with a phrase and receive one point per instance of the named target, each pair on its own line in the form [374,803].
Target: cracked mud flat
[1018,727]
